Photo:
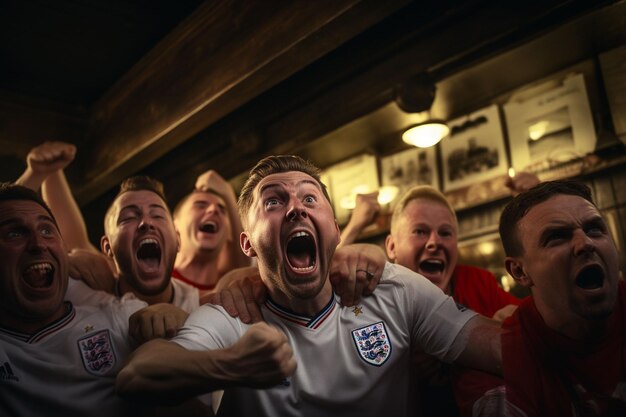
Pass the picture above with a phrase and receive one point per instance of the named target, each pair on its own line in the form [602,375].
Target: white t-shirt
[68,368]
[186,297]
[352,361]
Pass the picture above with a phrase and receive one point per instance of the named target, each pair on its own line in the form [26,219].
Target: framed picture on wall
[475,150]
[345,179]
[415,166]
[551,123]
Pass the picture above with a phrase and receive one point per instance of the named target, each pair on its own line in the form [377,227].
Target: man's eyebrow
[159,206]
[266,187]
[45,218]
[552,227]
[17,220]
[10,220]
[314,183]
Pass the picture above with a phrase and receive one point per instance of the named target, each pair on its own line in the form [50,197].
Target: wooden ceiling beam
[224,55]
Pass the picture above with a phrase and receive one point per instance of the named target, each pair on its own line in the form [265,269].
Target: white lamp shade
[425,135]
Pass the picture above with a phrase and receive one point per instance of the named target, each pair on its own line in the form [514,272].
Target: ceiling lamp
[427,134]
[416,95]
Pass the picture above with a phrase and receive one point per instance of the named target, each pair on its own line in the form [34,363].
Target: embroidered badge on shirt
[357,310]
[372,343]
[97,352]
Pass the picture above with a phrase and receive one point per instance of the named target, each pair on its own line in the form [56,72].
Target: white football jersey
[352,361]
[68,368]
[186,297]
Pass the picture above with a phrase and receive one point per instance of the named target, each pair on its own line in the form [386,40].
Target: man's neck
[30,327]
[574,326]
[164,296]
[200,268]
[307,307]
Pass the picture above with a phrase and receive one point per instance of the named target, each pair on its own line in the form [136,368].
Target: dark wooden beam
[224,55]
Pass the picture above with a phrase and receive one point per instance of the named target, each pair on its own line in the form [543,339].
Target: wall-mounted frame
[358,174]
[475,150]
[550,124]
[415,166]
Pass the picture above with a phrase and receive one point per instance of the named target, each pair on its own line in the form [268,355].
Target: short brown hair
[15,192]
[425,192]
[517,208]
[274,165]
[137,183]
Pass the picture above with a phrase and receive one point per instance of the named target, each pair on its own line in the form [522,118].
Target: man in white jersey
[55,358]
[350,360]
[141,239]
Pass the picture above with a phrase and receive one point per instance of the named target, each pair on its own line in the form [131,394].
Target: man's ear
[246,246]
[177,240]
[105,246]
[515,268]
[390,246]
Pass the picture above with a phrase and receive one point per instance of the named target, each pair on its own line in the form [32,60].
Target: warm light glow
[507,282]
[426,134]
[537,130]
[487,248]
[512,172]
[386,194]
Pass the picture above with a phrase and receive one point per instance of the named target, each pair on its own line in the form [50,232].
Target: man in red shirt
[565,352]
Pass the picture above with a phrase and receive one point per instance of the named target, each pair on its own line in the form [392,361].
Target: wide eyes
[273,201]
[270,202]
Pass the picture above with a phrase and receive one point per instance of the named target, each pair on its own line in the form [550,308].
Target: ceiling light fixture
[427,134]
[416,95]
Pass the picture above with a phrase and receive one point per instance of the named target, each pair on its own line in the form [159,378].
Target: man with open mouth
[55,358]
[350,361]
[141,239]
[424,238]
[209,228]
[565,349]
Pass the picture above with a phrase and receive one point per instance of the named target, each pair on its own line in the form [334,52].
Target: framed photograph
[345,179]
[551,126]
[475,150]
[415,166]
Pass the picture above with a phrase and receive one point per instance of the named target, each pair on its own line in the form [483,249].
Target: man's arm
[45,165]
[367,207]
[163,372]
[483,347]
[93,268]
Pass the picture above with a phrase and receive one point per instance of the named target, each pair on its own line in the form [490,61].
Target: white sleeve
[210,327]
[435,318]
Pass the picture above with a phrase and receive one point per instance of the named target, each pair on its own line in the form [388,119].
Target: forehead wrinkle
[281,184]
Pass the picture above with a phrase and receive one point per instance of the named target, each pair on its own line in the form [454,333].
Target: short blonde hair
[425,192]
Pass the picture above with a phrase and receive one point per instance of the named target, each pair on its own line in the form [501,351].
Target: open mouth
[590,277]
[432,266]
[149,253]
[301,252]
[39,275]
[208,227]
